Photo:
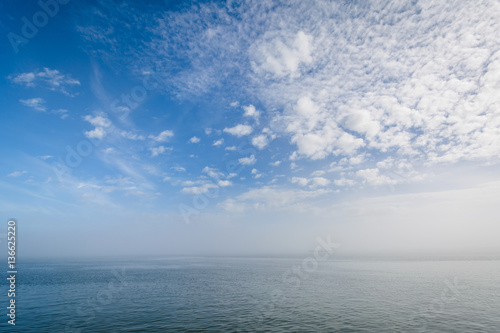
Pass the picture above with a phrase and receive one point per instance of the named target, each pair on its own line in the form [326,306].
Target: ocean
[256,295]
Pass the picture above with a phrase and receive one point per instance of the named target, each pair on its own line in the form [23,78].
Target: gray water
[252,295]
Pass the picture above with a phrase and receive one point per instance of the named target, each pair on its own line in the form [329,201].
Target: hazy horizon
[248,128]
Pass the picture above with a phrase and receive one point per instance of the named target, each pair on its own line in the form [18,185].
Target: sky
[250,127]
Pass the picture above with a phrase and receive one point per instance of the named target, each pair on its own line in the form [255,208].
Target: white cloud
[212,172]
[269,197]
[194,139]
[260,141]
[281,55]
[96,133]
[218,142]
[131,135]
[319,181]
[373,177]
[300,180]
[98,121]
[251,111]
[16,173]
[248,160]
[312,182]
[231,148]
[198,189]
[163,136]
[35,103]
[224,183]
[407,80]
[344,182]
[239,130]
[47,78]
[275,163]
[155,151]
[178,168]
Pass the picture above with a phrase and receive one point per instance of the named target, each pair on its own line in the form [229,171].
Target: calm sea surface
[252,295]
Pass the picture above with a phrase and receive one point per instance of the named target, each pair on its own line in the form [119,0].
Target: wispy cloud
[37,104]
[218,142]
[17,173]
[47,78]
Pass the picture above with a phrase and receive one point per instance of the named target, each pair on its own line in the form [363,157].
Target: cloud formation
[47,78]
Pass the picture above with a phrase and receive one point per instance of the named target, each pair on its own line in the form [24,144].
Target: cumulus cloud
[281,55]
[260,141]
[312,182]
[239,130]
[96,133]
[194,139]
[98,121]
[251,111]
[155,151]
[247,160]
[408,80]
[218,142]
[163,136]
[224,183]
[373,177]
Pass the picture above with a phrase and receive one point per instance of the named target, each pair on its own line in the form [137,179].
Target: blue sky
[250,127]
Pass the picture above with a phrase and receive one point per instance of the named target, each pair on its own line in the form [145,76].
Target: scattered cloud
[163,136]
[47,78]
[199,189]
[218,142]
[178,168]
[37,104]
[98,121]
[247,160]
[16,173]
[194,139]
[96,133]
[260,141]
[155,151]
[131,135]
[251,111]
[269,197]
[239,130]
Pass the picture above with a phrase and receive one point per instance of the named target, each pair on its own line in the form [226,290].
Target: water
[251,295]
